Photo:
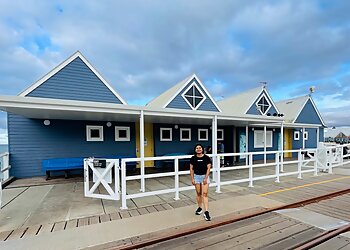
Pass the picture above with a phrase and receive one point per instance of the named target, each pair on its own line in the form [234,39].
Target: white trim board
[64,64]
[314,105]
[185,84]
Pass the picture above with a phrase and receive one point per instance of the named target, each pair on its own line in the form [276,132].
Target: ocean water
[3,148]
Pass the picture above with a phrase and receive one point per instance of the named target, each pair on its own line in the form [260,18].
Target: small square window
[166,134]
[122,133]
[220,135]
[296,135]
[306,135]
[94,133]
[185,134]
[202,134]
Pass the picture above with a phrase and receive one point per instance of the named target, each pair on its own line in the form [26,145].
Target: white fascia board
[184,85]
[253,103]
[205,90]
[300,125]
[314,105]
[61,66]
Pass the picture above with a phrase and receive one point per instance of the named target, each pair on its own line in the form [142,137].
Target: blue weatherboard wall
[251,143]
[30,141]
[308,115]
[179,102]
[177,146]
[253,111]
[75,81]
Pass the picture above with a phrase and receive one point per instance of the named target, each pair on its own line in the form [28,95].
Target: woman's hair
[198,144]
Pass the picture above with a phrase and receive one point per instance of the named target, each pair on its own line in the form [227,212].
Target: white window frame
[306,135]
[161,134]
[222,133]
[269,138]
[199,134]
[268,101]
[189,133]
[296,135]
[199,90]
[116,133]
[89,128]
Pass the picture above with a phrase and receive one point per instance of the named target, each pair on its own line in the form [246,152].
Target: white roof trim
[180,89]
[61,66]
[314,105]
[269,99]
[200,91]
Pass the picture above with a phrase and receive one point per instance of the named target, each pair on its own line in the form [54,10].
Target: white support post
[277,169]
[315,163]
[300,159]
[214,132]
[303,137]
[282,148]
[218,180]
[318,137]
[176,179]
[250,170]
[123,166]
[142,151]
[264,144]
[246,145]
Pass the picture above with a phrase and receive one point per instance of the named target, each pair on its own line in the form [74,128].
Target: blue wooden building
[74,112]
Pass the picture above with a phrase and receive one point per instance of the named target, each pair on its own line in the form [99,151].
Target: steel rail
[193,230]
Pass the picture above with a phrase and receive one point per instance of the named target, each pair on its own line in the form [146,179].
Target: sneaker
[198,211]
[206,216]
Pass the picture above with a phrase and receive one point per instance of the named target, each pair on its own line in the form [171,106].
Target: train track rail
[314,240]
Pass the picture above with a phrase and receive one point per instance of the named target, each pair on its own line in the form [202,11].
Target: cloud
[143,48]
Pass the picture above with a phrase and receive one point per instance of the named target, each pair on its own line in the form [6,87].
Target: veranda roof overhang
[48,108]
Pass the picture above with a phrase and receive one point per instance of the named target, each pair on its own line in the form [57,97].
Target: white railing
[4,171]
[278,163]
[337,155]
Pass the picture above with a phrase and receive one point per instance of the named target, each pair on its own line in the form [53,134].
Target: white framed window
[202,134]
[263,104]
[94,133]
[166,134]
[122,133]
[220,135]
[185,134]
[259,139]
[306,135]
[194,96]
[296,136]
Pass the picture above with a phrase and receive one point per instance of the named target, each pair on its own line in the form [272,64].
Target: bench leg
[47,175]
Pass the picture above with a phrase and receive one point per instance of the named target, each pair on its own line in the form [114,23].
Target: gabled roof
[64,64]
[163,100]
[292,108]
[240,104]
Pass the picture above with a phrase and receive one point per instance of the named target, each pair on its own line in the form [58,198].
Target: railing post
[300,162]
[342,155]
[281,161]
[117,179]
[277,159]
[251,170]
[123,185]
[176,168]
[218,173]
[316,163]
[86,178]
[6,163]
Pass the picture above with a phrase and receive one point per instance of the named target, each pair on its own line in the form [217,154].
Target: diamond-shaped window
[194,96]
[263,105]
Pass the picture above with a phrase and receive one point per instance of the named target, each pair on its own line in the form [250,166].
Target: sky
[142,48]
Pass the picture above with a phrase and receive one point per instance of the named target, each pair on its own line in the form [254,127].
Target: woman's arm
[207,174]
[192,174]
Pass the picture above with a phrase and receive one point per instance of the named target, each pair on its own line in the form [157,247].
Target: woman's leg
[205,196]
[199,195]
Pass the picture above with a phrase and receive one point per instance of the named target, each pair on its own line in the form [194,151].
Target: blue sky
[152,45]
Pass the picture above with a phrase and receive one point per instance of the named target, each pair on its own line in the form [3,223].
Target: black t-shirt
[200,164]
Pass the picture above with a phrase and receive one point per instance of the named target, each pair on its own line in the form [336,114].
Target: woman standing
[200,165]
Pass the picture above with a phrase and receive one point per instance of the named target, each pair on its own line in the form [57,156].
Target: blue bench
[75,163]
